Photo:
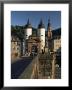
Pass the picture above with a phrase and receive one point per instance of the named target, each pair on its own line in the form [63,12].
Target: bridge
[41,67]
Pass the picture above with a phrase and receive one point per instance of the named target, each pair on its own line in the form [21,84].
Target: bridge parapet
[28,72]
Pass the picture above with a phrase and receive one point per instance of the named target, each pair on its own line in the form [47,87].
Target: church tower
[49,31]
[41,35]
[28,30]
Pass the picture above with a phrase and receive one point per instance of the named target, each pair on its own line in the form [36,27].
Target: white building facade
[57,44]
[41,35]
[28,30]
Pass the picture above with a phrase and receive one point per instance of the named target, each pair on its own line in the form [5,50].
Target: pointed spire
[41,22]
[28,25]
[41,25]
[49,24]
[28,22]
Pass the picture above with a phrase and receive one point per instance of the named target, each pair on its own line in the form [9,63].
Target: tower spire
[49,25]
[28,25]
[28,22]
[41,25]
[41,22]
[49,29]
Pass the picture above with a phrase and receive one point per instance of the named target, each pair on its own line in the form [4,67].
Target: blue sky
[21,17]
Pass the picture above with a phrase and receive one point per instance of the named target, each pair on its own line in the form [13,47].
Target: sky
[21,17]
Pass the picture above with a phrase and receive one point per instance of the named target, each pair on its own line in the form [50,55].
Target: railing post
[53,66]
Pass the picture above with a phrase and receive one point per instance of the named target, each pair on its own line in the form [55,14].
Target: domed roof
[41,25]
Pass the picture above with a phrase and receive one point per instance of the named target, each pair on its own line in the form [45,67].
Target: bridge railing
[27,74]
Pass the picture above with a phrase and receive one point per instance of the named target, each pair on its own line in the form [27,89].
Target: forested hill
[20,31]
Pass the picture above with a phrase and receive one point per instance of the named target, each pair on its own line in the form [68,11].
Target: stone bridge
[39,68]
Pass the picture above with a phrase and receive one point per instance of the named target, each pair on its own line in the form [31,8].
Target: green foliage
[18,31]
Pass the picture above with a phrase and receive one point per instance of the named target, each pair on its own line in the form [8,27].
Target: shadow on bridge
[19,66]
